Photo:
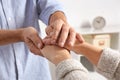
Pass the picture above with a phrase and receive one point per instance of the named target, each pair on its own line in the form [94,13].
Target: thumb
[80,38]
[37,41]
[40,53]
[48,30]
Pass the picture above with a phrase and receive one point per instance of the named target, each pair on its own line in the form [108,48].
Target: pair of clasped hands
[56,45]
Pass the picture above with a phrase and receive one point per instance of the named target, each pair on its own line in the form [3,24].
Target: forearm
[10,36]
[57,15]
[109,64]
[91,52]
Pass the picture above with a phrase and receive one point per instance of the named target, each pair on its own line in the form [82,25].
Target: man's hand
[32,40]
[59,30]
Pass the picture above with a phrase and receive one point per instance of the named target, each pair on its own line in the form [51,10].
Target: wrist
[60,58]
[21,34]
[56,16]
[55,54]
[17,35]
[77,47]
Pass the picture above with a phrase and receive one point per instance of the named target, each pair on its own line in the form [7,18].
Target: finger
[56,31]
[72,37]
[33,48]
[47,41]
[80,38]
[37,41]
[48,30]
[40,53]
[63,35]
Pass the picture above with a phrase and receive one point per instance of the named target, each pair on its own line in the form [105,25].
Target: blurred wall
[79,11]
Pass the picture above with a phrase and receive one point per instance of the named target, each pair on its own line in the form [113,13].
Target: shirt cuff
[68,66]
[108,63]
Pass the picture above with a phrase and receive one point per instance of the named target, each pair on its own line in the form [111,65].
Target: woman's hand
[55,54]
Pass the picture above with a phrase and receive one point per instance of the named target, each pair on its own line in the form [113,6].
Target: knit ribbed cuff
[67,66]
[108,62]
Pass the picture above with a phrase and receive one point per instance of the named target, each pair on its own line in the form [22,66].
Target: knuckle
[54,38]
[73,33]
[55,35]
[51,33]
[72,30]
[57,28]
[48,29]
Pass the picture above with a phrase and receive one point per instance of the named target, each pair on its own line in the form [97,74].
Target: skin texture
[28,35]
[55,54]
[10,36]
[91,52]
[57,24]
[32,39]
[59,31]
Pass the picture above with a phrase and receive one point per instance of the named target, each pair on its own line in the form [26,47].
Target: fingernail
[61,44]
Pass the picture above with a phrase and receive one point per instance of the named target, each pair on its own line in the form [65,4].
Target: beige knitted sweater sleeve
[109,64]
[71,69]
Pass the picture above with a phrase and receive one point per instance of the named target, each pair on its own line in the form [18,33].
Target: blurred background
[81,15]
[79,11]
